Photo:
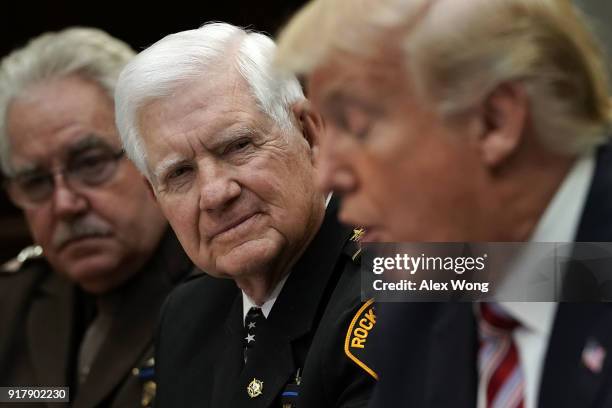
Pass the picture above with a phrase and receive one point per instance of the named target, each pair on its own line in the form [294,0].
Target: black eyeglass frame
[21,198]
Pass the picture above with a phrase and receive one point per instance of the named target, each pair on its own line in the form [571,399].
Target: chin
[249,258]
[94,273]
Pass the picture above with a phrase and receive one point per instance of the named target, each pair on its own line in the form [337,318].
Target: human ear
[503,117]
[311,125]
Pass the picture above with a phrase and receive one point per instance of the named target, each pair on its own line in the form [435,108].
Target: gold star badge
[255,388]
[148,393]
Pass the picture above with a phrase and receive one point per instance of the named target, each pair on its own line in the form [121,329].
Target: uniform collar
[248,303]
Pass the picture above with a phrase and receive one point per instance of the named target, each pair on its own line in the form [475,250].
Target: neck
[259,285]
[526,191]
[259,288]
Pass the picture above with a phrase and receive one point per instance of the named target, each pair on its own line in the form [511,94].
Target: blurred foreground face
[95,219]
[403,174]
[238,191]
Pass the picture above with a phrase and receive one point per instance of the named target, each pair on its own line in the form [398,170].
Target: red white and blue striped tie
[498,359]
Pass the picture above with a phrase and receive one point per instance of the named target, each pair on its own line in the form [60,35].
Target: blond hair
[457,52]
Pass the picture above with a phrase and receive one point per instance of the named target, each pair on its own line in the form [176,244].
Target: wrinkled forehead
[44,156]
[208,89]
[199,116]
[49,118]
[196,106]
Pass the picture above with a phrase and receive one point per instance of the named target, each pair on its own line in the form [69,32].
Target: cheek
[287,184]
[184,216]
[126,205]
[181,219]
[41,225]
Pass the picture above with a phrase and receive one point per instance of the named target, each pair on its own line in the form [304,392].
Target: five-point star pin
[249,338]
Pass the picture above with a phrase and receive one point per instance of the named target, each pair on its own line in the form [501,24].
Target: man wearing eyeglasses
[83,313]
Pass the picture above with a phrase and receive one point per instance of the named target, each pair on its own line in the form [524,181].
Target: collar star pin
[255,388]
[357,234]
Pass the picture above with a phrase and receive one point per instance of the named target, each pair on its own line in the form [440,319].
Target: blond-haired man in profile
[479,120]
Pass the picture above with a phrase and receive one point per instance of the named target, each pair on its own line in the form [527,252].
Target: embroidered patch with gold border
[357,336]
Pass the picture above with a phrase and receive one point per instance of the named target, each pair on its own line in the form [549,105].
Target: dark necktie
[96,334]
[252,324]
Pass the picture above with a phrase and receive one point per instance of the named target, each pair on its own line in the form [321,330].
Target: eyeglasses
[91,168]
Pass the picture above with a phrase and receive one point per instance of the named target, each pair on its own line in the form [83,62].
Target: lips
[80,239]
[232,226]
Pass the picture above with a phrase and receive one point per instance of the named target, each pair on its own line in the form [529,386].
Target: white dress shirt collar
[248,303]
[559,223]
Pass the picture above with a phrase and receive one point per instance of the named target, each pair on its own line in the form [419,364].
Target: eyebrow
[26,170]
[162,167]
[232,133]
[225,136]
[91,141]
[88,142]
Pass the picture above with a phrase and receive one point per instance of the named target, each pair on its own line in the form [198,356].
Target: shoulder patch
[357,336]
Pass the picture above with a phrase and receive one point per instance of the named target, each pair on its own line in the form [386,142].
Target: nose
[66,201]
[218,189]
[335,170]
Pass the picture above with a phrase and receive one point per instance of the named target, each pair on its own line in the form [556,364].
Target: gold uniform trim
[347,341]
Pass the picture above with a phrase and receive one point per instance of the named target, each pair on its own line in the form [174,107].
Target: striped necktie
[498,360]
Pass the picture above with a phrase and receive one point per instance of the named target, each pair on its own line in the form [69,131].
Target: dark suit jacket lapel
[50,331]
[596,222]
[132,331]
[295,313]
[452,375]
[304,297]
[432,358]
[230,362]
[566,381]
[14,306]
[270,362]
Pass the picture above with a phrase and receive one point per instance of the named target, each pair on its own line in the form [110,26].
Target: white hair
[187,56]
[88,52]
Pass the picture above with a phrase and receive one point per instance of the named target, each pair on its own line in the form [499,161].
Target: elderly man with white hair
[79,309]
[477,120]
[229,147]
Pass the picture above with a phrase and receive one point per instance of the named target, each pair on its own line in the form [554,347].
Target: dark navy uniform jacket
[303,355]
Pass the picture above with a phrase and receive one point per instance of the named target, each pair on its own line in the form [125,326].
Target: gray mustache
[87,226]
